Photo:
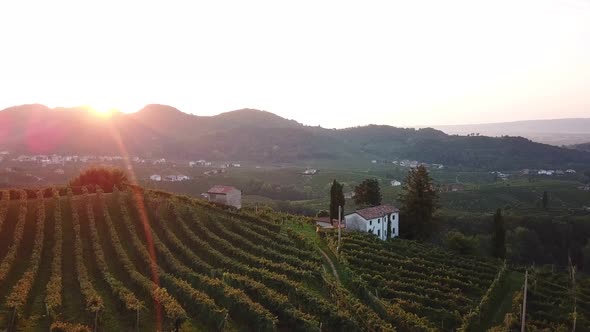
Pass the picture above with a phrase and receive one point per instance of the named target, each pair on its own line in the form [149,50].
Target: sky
[330,63]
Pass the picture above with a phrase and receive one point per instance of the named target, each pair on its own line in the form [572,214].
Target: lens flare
[138,199]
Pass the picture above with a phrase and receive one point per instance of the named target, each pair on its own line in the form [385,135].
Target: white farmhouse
[349,195]
[156,177]
[310,171]
[570,171]
[227,195]
[375,220]
[395,183]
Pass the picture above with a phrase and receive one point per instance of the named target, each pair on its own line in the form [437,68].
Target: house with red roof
[378,220]
[227,195]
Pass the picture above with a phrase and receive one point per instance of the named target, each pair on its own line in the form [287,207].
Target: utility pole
[523,318]
[573,271]
[339,230]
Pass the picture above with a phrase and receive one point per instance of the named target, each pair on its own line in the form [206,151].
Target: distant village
[56,159]
[215,168]
[63,160]
[218,169]
[408,163]
[548,172]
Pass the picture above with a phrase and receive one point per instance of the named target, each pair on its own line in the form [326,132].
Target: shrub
[104,177]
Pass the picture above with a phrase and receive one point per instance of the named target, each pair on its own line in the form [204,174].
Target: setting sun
[102,111]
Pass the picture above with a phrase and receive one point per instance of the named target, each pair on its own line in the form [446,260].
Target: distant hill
[253,135]
[582,147]
[555,132]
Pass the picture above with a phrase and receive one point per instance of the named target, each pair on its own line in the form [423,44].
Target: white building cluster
[56,159]
[197,163]
[170,178]
[408,163]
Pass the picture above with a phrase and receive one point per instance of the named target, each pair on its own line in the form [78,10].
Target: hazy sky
[334,63]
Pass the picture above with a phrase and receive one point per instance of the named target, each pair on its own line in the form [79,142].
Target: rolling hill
[555,131]
[151,261]
[259,136]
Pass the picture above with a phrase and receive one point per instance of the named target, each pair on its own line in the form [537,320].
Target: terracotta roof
[376,211]
[221,189]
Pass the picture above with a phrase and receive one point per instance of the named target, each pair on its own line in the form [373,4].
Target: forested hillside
[258,136]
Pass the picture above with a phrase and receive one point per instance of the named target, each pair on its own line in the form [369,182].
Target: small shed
[226,195]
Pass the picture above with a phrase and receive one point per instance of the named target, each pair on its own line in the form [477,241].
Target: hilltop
[259,136]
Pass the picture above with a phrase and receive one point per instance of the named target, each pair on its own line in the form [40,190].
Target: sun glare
[102,111]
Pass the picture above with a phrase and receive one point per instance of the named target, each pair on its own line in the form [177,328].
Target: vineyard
[134,261]
[140,260]
[555,302]
[436,289]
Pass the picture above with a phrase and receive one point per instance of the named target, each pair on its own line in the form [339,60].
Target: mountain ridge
[261,136]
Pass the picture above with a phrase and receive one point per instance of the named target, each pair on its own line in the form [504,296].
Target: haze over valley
[271,166]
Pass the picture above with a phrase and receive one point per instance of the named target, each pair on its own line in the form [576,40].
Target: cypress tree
[545,200]
[499,237]
[336,199]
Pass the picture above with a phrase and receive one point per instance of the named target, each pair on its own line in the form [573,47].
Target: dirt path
[332,266]
[497,311]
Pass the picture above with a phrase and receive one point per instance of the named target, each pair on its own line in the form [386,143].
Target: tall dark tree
[419,201]
[545,201]
[336,199]
[499,236]
[368,193]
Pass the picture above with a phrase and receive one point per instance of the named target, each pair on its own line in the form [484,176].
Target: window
[379,220]
[370,222]
[393,231]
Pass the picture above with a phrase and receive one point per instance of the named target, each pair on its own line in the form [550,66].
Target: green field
[482,191]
